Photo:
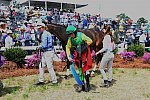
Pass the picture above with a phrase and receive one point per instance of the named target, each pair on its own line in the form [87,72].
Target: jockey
[78,43]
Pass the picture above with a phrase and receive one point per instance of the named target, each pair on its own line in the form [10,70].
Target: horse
[95,34]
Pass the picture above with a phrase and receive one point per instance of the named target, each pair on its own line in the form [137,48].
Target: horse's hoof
[66,77]
[92,75]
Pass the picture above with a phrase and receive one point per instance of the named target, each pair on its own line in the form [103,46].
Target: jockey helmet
[70,29]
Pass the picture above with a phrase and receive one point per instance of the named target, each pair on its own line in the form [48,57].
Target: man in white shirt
[143,26]
[9,39]
[142,39]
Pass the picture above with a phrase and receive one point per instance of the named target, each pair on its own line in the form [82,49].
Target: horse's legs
[99,57]
[68,63]
[68,67]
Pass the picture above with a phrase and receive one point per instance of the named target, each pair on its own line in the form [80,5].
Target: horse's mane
[57,25]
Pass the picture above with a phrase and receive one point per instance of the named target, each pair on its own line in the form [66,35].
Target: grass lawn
[129,84]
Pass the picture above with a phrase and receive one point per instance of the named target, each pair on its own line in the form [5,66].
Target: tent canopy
[66,4]
[65,1]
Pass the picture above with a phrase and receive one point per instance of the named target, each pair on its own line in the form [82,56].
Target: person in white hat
[24,37]
[142,38]
[47,57]
[9,39]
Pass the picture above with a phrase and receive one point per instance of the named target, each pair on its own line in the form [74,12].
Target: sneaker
[66,77]
[53,84]
[39,83]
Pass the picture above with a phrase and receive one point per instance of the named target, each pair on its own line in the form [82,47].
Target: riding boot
[87,78]
[83,86]
[106,83]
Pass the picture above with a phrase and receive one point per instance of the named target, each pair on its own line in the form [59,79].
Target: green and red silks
[86,59]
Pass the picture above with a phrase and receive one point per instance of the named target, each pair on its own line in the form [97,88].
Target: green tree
[123,17]
[142,20]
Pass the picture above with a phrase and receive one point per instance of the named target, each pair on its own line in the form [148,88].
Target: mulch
[61,66]
[137,63]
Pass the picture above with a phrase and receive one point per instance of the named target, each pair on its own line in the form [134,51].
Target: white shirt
[107,44]
[143,27]
[8,42]
[142,38]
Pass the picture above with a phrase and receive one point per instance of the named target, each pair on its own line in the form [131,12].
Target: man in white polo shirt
[47,57]
[9,39]
[142,39]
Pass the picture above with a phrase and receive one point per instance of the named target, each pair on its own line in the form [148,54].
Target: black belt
[47,50]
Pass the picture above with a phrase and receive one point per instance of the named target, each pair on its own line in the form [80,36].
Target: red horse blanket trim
[86,60]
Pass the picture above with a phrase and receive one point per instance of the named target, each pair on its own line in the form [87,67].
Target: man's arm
[68,46]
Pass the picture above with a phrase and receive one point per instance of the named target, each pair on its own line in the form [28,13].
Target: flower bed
[128,56]
[146,58]
[60,66]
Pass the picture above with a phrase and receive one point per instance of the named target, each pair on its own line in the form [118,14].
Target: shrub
[16,55]
[146,58]
[115,50]
[33,61]
[138,49]
[129,56]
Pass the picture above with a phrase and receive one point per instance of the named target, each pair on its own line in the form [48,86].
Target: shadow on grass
[9,90]
[113,82]
[61,77]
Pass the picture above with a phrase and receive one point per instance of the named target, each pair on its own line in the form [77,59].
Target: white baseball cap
[1,23]
[9,31]
[39,25]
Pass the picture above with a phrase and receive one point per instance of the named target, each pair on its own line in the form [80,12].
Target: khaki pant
[107,60]
[47,60]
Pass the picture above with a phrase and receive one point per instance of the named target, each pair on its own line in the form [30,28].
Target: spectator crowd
[19,24]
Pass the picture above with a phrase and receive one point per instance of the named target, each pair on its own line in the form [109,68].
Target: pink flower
[146,57]
[62,55]
[33,61]
[129,56]
[93,53]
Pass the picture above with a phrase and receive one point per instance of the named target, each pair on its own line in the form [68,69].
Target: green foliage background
[138,49]
[16,55]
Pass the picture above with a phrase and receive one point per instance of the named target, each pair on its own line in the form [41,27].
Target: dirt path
[129,84]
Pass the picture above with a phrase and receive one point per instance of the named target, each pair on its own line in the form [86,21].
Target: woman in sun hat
[24,37]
